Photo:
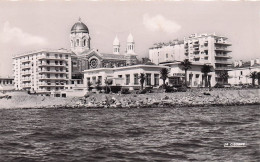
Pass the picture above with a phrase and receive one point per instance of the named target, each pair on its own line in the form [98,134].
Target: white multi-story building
[240,72]
[203,49]
[173,51]
[42,71]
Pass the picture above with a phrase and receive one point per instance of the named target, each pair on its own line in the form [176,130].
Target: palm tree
[186,65]
[253,75]
[89,85]
[258,78]
[205,70]
[142,79]
[108,82]
[223,75]
[164,75]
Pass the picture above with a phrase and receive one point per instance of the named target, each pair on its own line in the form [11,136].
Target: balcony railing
[51,85]
[51,58]
[53,64]
[26,72]
[222,68]
[53,71]
[52,78]
[223,43]
[26,66]
[26,85]
[223,62]
[223,56]
[26,79]
[222,49]
[25,60]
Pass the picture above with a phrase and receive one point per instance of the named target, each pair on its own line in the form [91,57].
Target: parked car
[227,85]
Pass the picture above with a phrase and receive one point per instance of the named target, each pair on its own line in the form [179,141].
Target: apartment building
[42,71]
[166,52]
[198,48]
[209,49]
[240,71]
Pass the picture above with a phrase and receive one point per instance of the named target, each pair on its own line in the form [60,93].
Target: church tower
[130,45]
[79,37]
[116,46]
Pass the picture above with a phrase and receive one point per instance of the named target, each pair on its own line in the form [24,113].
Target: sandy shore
[177,99]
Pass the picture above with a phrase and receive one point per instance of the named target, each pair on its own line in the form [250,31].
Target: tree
[205,70]
[186,65]
[89,85]
[253,75]
[98,83]
[108,82]
[223,75]
[142,79]
[258,78]
[164,75]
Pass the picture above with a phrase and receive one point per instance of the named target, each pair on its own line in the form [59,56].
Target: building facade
[198,48]
[240,72]
[46,71]
[42,71]
[6,83]
[127,76]
[172,51]
[195,78]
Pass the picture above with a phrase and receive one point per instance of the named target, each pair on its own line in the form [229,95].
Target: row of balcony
[53,71]
[53,64]
[223,62]
[53,78]
[52,58]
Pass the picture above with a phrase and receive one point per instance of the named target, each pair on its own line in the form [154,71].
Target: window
[47,55]
[56,62]
[56,75]
[48,75]
[60,62]
[119,76]
[100,79]
[84,43]
[148,79]
[60,55]
[61,75]
[241,72]
[48,68]
[135,79]
[67,56]
[56,55]
[166,55]
[61,69]
[127,79]
[77,42]
[156,79]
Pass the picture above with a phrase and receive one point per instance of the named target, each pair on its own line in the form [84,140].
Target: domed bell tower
[116,46]
[79,38]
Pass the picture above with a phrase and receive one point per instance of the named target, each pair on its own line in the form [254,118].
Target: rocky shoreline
[214,98]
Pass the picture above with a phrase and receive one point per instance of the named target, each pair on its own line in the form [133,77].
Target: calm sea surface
[159,134]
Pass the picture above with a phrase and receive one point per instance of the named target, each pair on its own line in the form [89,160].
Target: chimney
[240,63]
[252,62]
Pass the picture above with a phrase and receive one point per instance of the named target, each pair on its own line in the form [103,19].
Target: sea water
[149,134]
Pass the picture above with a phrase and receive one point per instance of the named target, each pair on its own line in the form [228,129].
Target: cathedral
[84,57]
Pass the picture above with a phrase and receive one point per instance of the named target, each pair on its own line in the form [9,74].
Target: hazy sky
[27,26]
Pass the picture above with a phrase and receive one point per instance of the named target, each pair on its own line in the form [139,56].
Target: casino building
[49,71]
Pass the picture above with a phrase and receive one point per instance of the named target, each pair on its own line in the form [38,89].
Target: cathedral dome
[79,27]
